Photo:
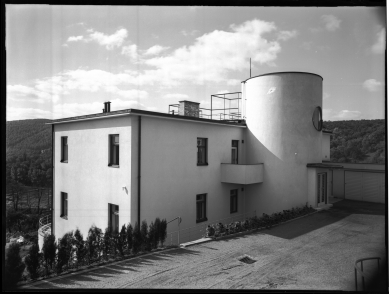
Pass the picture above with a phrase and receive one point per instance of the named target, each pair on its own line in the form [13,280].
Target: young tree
[94,242]
[162,231]
[64,250]
[106,243]
[79,243]
[157,226]
[144,238]
[152,236]
[32,261]
[129,237]
[14,266]
[137,239]
[49,248]
[122,240]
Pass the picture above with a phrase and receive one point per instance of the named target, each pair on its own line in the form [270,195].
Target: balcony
[44,228]
[242,173]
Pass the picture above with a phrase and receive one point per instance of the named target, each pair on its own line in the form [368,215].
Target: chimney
[189,108]
[107,107]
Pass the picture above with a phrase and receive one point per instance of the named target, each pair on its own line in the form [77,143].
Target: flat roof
[241,123]
[283,72]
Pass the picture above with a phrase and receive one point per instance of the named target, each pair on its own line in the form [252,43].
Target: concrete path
[312,253]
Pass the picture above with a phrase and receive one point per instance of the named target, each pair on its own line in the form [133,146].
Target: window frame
[63,159]
[64,205]
[232,196]
[110,207]
[203,202]
[237,150]
[205,149]
[112,144]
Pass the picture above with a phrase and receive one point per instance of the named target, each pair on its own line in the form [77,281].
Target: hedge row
[72,251]
[220,229]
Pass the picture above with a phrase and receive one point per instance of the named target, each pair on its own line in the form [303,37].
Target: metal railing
[197,232]
[360,270]
[44,224]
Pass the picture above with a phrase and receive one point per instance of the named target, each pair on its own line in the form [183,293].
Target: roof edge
[283,72]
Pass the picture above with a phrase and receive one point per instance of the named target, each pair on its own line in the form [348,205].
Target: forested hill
[357,141]
[28,151]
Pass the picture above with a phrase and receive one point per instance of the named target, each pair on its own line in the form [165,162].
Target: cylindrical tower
[281,135]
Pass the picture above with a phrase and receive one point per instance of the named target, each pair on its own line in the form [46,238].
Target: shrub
[94,241]
[122,239]
[32,261]
[64,250]
[107,243]
[14,266]
[79,243]
[129,237]
[49,248]
[157,226]
[114,242]
[137,239]
[162,231]
[152,236]
[210,231]
[144,237]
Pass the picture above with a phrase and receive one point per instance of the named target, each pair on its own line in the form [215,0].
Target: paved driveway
[314,252]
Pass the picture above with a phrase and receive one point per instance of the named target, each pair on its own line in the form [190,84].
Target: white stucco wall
[170,177]
[90,183]
[280,134]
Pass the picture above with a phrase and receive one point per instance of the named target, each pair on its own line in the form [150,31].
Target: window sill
[202,163]
[64,161]
[201,220]
[114,165]
[64,217]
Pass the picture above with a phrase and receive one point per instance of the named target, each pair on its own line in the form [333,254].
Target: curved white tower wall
[281,135]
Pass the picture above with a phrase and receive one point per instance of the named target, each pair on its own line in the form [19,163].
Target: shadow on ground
[324,218]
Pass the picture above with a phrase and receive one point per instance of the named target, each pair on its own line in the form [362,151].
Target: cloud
[155,50]
[16,113]
[379,46]
[175,96]
[189,33]
[204,61]
[331,22]
[28,94]
[372,85]
[223,92]
[131,51]
[286,35]
[347,115]
[109,41]
[75,39]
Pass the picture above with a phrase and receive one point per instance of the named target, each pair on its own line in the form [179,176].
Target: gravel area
[316,252]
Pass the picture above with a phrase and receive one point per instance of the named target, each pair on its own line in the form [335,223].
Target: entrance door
[321,189]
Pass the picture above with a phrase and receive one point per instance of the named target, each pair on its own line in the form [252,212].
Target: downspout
[139,161]
[52,183]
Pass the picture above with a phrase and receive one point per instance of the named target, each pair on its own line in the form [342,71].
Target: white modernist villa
[265,155]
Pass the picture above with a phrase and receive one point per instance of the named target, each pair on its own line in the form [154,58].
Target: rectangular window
[234,201]
[201,208]
[64,149]
[202,151]
[113,217]
[234,152]
[113,150]
[64,205]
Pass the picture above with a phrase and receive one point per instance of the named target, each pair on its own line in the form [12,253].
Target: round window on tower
[317,119]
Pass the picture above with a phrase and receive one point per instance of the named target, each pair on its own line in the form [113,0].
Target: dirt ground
[316,252]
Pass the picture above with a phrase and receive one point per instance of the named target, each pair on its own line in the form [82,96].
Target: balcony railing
[242,173]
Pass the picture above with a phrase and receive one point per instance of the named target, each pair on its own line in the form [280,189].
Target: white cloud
[75,39]
[222,92]
[155,50]
[109,41]
[28,94]
[379,46]
[348,115]
[286,35]
[331,22]
[189,33]
[131,51]
[176,96]
[16,113]
[372,85]
[205,59]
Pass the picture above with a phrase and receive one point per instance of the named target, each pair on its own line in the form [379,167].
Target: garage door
[364,186]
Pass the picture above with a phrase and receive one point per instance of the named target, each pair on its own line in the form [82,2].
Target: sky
[65,61]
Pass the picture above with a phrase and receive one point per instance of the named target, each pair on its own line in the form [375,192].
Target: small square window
[202,151]
[64,149]
[113,150]
[234,201]
[201,208]
[64,205]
